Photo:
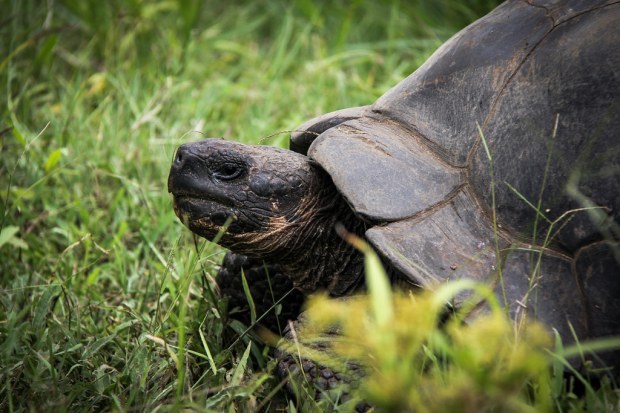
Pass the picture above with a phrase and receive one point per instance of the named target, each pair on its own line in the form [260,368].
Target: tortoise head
[253,196]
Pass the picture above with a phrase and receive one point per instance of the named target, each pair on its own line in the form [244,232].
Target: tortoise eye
[228,171]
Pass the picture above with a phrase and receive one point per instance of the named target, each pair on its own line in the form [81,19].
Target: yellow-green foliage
[413,364]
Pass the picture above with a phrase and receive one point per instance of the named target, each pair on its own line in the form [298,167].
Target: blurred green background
[106,300]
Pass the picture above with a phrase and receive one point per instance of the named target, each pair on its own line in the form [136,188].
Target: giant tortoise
[497,160]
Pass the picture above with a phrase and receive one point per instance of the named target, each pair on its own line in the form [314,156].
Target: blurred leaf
[378,288]
[190,12]
[7,236]
[45,54]
[96,84]
[43,306]
[7,233]
[96,346]
[52,160]
[18,135]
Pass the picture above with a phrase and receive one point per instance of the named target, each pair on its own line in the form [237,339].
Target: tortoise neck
[317,258]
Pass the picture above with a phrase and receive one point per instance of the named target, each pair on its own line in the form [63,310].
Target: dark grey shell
[479,164]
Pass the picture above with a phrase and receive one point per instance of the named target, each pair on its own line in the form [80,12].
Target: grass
[106,300]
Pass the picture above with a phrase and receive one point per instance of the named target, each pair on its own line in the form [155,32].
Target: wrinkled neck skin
[307,247]
[323,260]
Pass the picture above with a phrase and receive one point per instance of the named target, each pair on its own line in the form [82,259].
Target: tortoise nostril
[179,158]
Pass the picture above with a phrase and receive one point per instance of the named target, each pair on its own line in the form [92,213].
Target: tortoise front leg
[275,299]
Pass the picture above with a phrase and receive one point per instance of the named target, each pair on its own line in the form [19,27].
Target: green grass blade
[248,297]
[205,346]
[240,368]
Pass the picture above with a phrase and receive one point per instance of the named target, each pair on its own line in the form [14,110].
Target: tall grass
[106,301]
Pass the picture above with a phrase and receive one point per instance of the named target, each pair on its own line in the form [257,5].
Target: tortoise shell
[497,160]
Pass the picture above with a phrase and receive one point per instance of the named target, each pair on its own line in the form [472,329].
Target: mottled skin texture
[280,206]
[275,299]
